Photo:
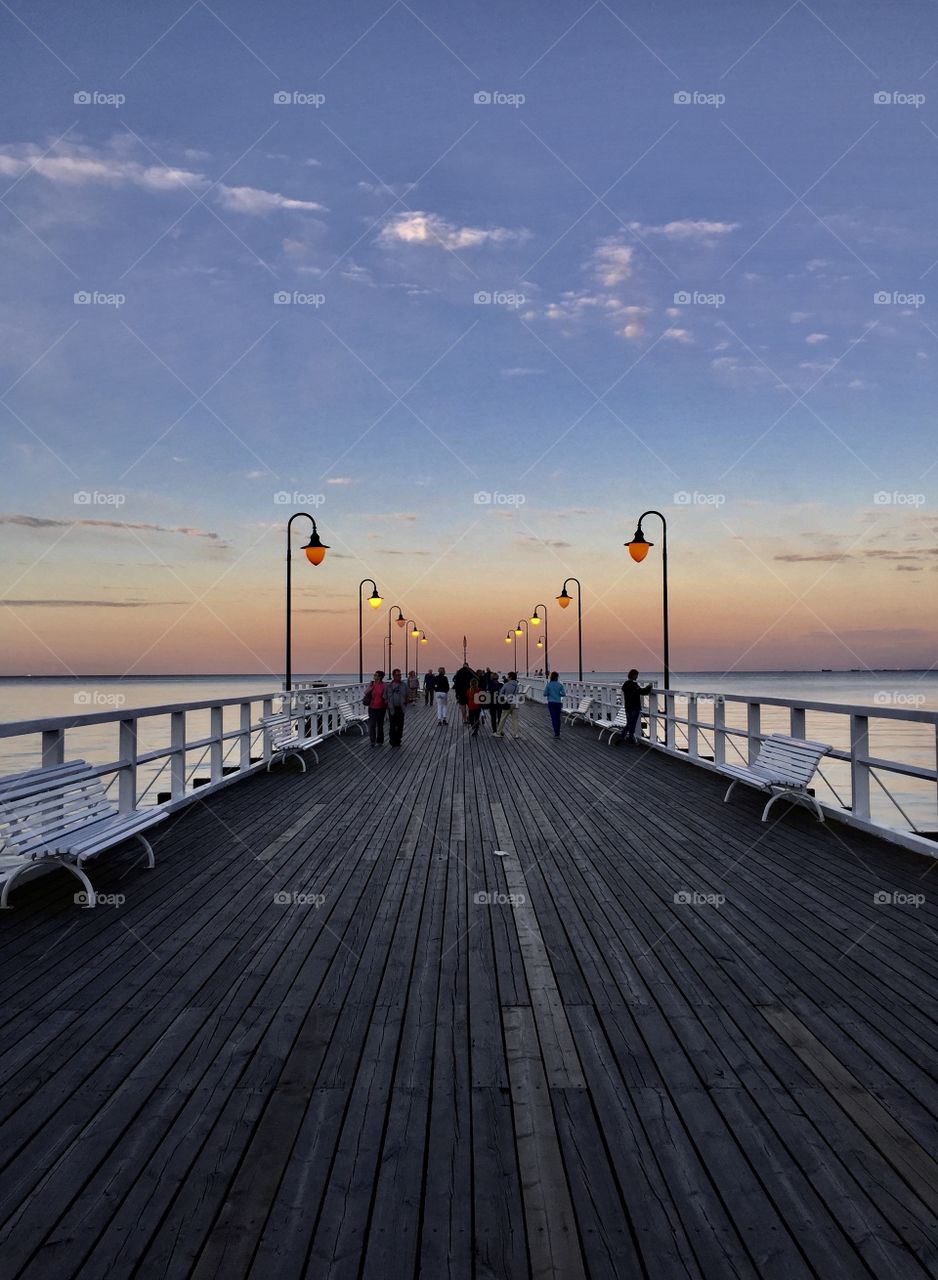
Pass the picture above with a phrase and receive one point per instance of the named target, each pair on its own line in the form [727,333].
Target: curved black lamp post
[523,622]
[401,621]
[416,634]
[315,554]
[564,600]
[638,550]
[376,602]
[535,621]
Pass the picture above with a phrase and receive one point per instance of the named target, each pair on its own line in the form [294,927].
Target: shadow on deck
[335,1033]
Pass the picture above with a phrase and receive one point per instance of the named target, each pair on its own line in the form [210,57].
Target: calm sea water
[23,698]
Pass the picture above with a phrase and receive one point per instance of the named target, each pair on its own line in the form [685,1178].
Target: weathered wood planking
[435,1061]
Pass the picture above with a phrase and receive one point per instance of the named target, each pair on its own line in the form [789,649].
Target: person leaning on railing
[632,694]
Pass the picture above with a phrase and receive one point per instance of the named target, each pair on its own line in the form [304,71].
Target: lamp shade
[315,550]
[564,599]
[507,637]
[401,622]
[375,600]
[638,547]
[535,620]
[416,631]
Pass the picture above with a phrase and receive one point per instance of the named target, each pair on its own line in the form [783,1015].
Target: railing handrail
[874,710]
[14,728]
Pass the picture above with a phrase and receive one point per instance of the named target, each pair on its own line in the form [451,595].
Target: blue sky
[709,251]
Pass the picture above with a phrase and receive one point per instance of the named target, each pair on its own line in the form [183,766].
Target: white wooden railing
[881,776]
[191,748]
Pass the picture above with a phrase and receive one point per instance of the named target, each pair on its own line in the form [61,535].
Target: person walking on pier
[441,695]
[398,696]
[375,699]
[495,700]
[429,684]
[474,705]
[461,689]
[413,685]
[555,693]
[509,707]
[632,694]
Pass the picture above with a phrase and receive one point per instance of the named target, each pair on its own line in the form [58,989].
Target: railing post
[244,725]
[127,777]
[669,725]
[859,769]
[754,729]
[217,749]
[177,763]
[719,730]
[267,709]
[692,724]
[798,723]
[53,748]
[652,715]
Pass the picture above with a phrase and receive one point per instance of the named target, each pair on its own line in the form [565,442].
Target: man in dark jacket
[398,696]
[632,694]
[429,685]
[461,689]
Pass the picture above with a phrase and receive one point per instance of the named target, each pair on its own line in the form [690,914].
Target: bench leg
[8,885]
[75,868]
[729,791]
[151,861]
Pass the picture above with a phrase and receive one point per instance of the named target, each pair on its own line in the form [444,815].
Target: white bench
[62,815]
[349,716]
[287,737]
[582,712]
[784,766]
[613,727]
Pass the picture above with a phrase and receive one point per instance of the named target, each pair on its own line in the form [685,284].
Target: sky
[475,286]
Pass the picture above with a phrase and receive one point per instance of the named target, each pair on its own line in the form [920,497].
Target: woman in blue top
[555,693]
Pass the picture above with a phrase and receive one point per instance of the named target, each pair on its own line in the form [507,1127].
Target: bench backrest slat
[41,805]
[793,759]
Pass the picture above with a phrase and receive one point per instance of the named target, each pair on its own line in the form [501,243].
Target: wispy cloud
[88,604]
[694,229]
[76,165]
[416,228]
[46,522]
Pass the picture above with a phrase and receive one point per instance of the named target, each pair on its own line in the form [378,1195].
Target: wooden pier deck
[656,1039]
